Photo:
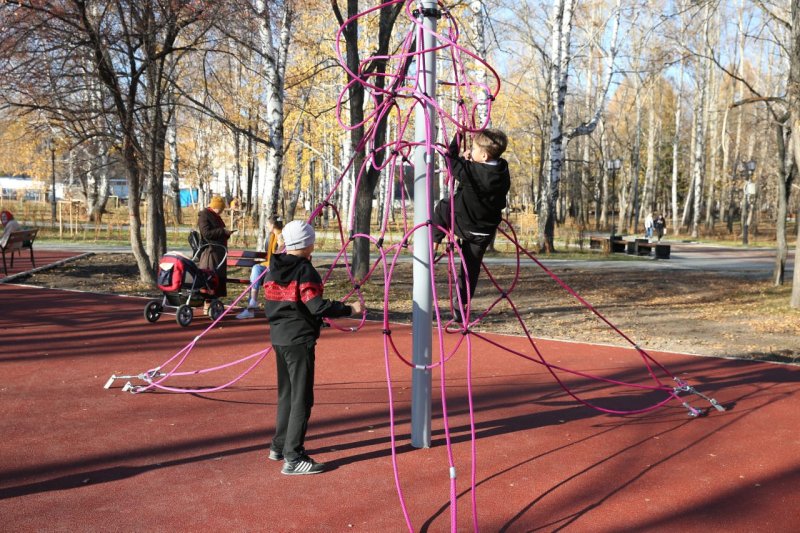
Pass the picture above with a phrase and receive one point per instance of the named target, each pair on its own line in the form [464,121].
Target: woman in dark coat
[212,230]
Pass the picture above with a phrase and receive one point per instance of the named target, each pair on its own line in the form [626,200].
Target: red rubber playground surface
[22,261]
[77,457]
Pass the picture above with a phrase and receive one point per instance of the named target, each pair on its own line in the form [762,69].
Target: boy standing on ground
[480,197]
[295,307]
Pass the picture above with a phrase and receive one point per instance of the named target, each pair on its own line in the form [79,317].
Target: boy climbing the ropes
[295,307]
[483,181]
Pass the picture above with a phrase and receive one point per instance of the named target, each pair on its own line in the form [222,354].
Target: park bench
[661,250]
[238,259]
[17,240]
[608,244]
[600,243]
[633,247]
[618,245]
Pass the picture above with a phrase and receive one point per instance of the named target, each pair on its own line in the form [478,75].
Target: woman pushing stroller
[212,230]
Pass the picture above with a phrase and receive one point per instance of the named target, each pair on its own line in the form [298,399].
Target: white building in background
[17,188]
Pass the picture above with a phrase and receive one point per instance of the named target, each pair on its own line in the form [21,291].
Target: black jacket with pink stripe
[295,306]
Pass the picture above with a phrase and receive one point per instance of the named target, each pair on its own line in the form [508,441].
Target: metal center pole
[422,314]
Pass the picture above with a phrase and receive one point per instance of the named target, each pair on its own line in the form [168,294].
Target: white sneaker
[247,313]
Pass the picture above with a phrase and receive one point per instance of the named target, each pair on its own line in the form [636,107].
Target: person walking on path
[660,225]
[648,226]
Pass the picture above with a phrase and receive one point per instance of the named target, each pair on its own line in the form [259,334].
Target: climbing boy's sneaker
[301,466]
[275,456]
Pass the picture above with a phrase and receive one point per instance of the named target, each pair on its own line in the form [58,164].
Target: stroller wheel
[152,311]
[215,309]
[184,315]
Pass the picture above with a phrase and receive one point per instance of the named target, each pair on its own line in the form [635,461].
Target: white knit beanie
[298,235]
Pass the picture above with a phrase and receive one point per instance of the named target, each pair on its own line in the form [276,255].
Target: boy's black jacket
[294,302]
[481,192]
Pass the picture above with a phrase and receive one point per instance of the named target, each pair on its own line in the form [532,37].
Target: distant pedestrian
[660,225]
[648,225]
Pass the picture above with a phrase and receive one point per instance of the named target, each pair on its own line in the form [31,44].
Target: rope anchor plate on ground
[682,386]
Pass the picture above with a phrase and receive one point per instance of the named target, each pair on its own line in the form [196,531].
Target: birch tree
[561,22]
[699,154]
[793,96]
[274,41]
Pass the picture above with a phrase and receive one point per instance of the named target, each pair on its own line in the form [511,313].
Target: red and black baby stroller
[185,286]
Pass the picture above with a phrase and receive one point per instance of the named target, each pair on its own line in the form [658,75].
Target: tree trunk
[275,55]
[368,181]
[237,165]
[155,141]
[561,26]
[601,184]
[699,167]
[250,161]
[484,120]
[632,216]
[793,96]
[172,141]
[648,199]
[785,177]
[295,196]
[713,125]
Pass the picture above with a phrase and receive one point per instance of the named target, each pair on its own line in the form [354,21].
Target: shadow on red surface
[77,454]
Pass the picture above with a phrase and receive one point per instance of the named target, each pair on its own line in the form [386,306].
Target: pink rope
[397,94]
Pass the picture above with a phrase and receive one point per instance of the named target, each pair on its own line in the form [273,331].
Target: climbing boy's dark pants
[473,248]
[295,366]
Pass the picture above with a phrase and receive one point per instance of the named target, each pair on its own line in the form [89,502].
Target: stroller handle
[209,244]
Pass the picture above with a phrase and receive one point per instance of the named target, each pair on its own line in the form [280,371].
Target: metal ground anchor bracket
[685,387]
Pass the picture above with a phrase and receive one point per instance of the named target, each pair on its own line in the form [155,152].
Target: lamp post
[613,166]
[51,145]
[747,168]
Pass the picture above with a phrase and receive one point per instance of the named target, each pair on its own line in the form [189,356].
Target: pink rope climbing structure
[396,94]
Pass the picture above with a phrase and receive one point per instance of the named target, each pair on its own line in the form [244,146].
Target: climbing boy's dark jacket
[481,192]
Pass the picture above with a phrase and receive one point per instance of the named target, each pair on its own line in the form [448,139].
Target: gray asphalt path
[755,262]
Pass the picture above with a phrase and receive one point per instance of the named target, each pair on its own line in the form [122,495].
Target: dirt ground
[688,312]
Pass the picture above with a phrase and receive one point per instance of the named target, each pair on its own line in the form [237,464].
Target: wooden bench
[600,243]
[661,250]
[243,259]
[618,246]
[17,240]
[633,247]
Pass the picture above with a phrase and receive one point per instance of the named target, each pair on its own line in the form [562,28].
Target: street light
[747,168]
[613,166]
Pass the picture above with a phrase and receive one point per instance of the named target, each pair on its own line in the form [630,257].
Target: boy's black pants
[295,366]
[473,248]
